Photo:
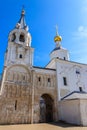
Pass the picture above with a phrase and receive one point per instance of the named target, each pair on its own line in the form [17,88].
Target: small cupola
[57,39]
[58,51]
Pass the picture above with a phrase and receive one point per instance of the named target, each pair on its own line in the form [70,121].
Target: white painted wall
[60,53]
[74,81]
[83,111]
[69,111]
[73,111]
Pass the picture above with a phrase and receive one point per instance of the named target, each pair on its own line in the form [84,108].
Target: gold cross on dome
[57,30]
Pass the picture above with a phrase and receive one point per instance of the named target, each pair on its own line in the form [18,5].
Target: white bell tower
[19,49]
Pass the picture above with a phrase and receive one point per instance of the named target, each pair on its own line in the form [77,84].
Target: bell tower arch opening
[22,38]
[13,37]
[46,108]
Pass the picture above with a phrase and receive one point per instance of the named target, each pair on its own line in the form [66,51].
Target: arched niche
[18,73]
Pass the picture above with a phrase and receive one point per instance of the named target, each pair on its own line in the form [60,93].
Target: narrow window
[80,89]
[16,105]
[64,81]
[48,79]
[64,58]
[20,56]
[39,79]
[23,77]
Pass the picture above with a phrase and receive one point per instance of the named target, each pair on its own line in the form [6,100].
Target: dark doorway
[46,108]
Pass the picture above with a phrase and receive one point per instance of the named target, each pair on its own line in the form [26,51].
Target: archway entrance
[46,108]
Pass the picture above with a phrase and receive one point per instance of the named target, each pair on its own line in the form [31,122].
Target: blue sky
[42,17]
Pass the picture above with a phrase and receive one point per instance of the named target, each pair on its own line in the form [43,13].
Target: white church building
[32,94]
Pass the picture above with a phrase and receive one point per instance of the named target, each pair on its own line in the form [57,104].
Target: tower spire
[57,38]
[23,11]
[56,30]
[21,23]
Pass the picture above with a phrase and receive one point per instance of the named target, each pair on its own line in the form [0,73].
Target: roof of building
[75,95]
[43,68]
[57,48]
[69,61]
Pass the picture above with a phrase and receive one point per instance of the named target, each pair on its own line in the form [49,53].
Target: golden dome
[57,39]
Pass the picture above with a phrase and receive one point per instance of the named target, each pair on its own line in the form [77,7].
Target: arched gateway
[46,108]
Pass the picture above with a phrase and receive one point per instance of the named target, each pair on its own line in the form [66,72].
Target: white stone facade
[74,73]
[24,85]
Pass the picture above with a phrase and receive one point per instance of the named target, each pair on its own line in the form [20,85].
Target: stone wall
[45,84]
[21,91]
[15,98]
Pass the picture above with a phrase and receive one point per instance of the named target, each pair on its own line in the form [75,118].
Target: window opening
[77,72]
[16,105]
[13,37]
[23,77]
[48,79]
[64,58]
[64,81]
[80,89]
[20,56]
[22,39]
[39,79]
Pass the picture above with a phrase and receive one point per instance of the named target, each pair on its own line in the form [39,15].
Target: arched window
[39,79]
[23,77]
[13,37]
[20,56]
[21,38]
[49,80]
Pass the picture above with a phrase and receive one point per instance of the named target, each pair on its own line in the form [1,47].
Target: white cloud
[83,12]
[79,39]
[84,9]
[80,33]
[79,36]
